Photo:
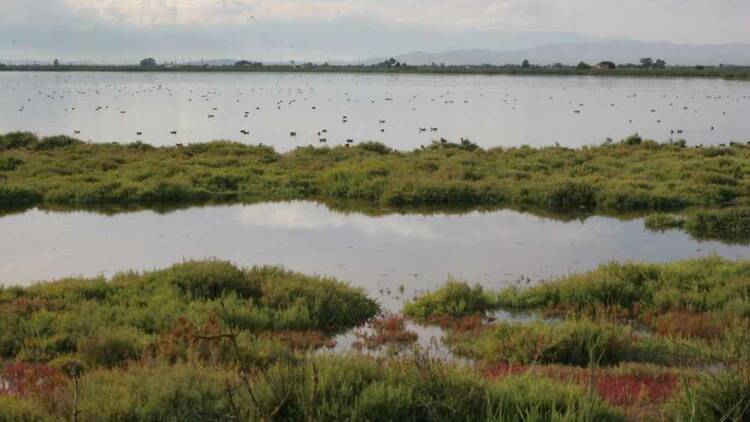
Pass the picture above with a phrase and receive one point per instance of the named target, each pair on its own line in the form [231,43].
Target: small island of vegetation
[705,190]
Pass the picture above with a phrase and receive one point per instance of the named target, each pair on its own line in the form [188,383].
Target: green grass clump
[661,222]
[18,140]
[454,300]
[13,409]
[567,343]
[210,280]
[711,284]
[10,163]
[167,312]
[320,389]
[355,388]
[715,397]
[614,177]
[15,195]
[159,392]
[728,223]
[691,310]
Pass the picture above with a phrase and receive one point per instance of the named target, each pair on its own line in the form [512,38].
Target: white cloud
[116,30]
[663,20]
[210,12]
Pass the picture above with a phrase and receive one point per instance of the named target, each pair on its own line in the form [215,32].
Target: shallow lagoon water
[392,257]
[489,110]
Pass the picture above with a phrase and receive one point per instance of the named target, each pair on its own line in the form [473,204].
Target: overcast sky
[125,30]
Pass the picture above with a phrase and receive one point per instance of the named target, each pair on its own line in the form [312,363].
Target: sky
[346,30]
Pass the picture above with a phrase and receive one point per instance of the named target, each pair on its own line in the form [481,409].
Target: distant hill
[618,52]
[216,62]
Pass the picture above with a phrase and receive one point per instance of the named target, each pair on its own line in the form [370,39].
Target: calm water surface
[381,254]
[490,110]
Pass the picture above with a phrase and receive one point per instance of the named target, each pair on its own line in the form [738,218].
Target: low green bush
[715,397]
[633,175]
[693,285]
[158,393]
[661,222]
[728,223]
[13,409]
[16,195]
[568,343]
[54,142]
[454,300]
[113,348]
[202,280]
[18,140]
[322,388]
[10,163]
[356,388]
[167,313]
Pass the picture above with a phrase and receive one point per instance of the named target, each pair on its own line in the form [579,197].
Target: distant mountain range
[616,51]
[620,52]
[571,53]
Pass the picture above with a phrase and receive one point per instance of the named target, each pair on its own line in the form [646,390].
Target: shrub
[721,397]
[166,313]
[330,304]
[17,140]
[695,285]
[10,163]
[455,299]
[356,388]
[570,196]
[172,191]
[209,280]
[111,348]
[730,223]
[660,222]
[17,195]
[143,393]
[376,147]
[621,285]
[568,343]
[14,409]
[634,139]
[53,142]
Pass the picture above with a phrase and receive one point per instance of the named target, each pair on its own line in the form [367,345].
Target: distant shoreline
[727,72]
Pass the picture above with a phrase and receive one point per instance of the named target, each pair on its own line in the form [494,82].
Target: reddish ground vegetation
[595,312]
[386,330]
[465,324]
[628,390]
[622,388]
[303,340]
[687,325]
[24,306]
[24,379]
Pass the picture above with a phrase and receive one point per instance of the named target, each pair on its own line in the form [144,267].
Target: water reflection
[302,216]
[380,253]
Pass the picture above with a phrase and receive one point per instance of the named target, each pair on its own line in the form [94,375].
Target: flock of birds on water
[252,102]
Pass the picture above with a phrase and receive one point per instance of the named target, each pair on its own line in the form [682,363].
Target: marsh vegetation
[709,184]
[632,175]
[660,341]
[208,340]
